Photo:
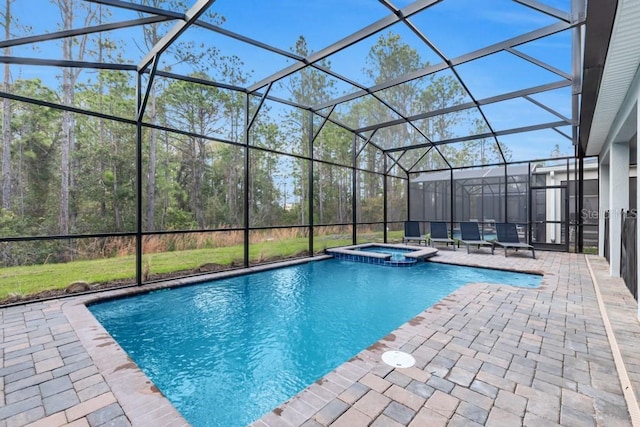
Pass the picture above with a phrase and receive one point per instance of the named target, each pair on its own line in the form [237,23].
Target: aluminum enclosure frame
[147,67]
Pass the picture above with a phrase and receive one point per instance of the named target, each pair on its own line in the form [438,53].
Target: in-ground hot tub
[395,255]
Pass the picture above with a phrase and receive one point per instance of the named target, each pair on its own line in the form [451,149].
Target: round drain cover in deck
[398,359]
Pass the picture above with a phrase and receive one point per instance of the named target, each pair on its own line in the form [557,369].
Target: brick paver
[485,355]
[503,356]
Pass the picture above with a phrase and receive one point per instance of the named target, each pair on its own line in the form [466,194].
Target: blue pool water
[226,352]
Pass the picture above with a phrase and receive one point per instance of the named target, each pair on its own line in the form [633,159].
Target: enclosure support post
[603,204]
[452,201]
[409,197]
[246,182]
[354,190]
[579,221]
[141,105]
[530,216]
[618,201]
[567,216]
[506,194]
[311,139]
[139,180]
[482,217]
[384,200]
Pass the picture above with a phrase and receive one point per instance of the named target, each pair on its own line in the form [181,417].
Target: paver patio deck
[486,355]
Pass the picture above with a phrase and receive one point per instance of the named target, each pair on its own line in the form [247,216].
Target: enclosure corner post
[139,115]
[354,191]
[452,197]
[246,181]
[384,200]
[311,193]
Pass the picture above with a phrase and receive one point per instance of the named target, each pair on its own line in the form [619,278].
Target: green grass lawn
[28,280]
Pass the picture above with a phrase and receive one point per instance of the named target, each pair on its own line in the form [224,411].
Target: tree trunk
[69,77]
[151,177]
[199,175]
[117,217]
[6,145]
[65,147]
[321,195]
[165,194]
[66,9]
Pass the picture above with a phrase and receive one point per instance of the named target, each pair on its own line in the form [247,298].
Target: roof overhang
[611,61]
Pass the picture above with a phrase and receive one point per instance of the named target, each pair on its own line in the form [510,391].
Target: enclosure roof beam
[130,67]
[420,159]
[223,31]
[540,63]
[425,40]
[432,69]
[563,134]
[247,40]
[366,141]
[200,81]
[65,108]
[547,10]
[345,42]
[395,162]
[260,104]
[142,102]
[65,63]
[191,16]
[82,31]
[445,59]
[523,129]
[467,105]
[547,108]
[512,42]
[140,8]
[324,122]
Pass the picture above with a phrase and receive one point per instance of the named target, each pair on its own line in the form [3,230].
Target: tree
[196,108]
[9,23]
[71,49]
[307,87]
[178,53]
[6,115]
[106,202]
[35,130]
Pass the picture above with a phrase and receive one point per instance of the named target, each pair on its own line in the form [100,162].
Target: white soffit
[623,58]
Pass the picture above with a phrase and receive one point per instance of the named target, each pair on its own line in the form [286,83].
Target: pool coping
[144,405]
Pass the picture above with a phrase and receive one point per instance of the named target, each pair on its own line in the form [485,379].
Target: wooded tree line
[65,173]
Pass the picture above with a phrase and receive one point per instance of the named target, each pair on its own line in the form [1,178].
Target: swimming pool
[226,352]
[388,254]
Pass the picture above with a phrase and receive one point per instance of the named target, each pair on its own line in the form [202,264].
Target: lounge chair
[508,238]
[412,233]
[470,235]
[440,234]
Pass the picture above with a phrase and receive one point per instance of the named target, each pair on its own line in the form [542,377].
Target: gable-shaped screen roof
[434,84]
